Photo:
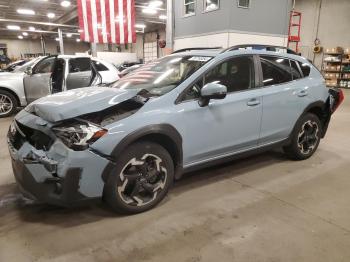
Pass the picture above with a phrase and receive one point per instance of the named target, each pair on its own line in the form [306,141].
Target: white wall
[333,27]
[227,39]
[16,48]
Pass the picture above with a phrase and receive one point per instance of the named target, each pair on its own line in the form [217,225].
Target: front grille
[36,138]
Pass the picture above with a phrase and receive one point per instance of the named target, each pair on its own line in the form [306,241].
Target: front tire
[305,138]
[141,179]
[8,104]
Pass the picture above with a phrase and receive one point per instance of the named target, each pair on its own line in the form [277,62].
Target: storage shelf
[335,71]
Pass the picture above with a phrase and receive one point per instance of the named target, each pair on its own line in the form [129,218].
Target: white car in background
[47,75]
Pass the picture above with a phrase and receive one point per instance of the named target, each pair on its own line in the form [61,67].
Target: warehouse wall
[333,27]
[265,22]
[18,47]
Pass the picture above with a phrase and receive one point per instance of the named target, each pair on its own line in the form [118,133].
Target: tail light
[337,97]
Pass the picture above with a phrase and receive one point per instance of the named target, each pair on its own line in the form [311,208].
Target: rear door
[38,84]
[285,96]
[80,73]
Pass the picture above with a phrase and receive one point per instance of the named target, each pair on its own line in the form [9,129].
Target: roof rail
[194,48]
[271,48]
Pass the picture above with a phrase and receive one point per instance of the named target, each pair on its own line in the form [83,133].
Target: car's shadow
[70,217]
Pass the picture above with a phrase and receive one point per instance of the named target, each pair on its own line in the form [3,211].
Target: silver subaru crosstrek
[126,143]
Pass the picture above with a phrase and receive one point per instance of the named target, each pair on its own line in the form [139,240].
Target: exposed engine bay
[78,133]
[117,112]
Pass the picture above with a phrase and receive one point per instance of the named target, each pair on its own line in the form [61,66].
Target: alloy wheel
[308,137]
[6,104]
[142,180]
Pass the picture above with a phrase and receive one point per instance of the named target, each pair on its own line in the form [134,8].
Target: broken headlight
[79,135]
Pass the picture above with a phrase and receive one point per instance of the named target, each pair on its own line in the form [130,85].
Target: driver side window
[237,74]
[44,66]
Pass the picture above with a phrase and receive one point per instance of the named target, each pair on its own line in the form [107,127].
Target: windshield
[163,75]
[28,64]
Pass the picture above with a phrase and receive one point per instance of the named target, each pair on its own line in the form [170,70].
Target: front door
[38,84]
[80,73]
[226,126]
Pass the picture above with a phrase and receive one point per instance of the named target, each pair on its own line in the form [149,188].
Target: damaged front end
[80,132]
[53,162]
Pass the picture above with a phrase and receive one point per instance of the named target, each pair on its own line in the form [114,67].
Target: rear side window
[79,65]
[99,66]
[296,74]
[305,68]
[276,70]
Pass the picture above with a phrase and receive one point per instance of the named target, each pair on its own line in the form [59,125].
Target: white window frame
[204,7]
[184,8]
[241,6]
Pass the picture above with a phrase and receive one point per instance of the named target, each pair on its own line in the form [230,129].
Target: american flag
[107,21]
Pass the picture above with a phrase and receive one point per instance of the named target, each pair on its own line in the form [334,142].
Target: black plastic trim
[236,156]
[158,129]
[325,118]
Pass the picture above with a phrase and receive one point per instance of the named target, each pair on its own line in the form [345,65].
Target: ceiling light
[78,40]
[163,17]
[13,27]
[149,11]
[20,37]
[65,3]
[31,28]
[57,39]
[51,15]
[140,26]
[69,35]
[25,33]
[80,31]
[25,11]
[155,3]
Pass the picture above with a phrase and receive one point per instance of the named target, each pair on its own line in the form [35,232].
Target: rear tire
[141,179]
[8,104]
[305,138]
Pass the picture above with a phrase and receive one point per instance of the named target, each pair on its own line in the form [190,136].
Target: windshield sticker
[200,58]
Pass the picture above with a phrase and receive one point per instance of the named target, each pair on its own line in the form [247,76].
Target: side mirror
[28,71]
[212,91]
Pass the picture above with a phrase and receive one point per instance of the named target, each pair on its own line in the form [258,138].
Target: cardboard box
[334,50]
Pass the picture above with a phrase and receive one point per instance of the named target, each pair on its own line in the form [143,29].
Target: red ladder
[294,22]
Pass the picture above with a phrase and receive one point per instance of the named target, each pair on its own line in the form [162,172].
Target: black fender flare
[151,130]
[325,118]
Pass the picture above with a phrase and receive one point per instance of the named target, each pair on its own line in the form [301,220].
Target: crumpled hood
[77,102]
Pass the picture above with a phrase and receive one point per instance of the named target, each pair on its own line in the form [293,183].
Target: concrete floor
[264,208]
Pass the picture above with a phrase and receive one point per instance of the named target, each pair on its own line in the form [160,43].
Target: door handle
[253,102]
[302,93]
